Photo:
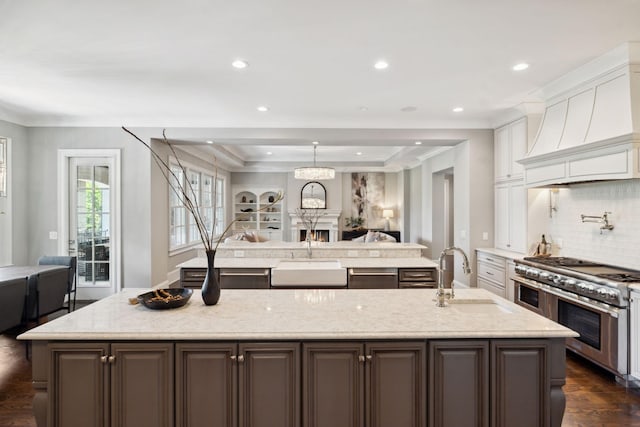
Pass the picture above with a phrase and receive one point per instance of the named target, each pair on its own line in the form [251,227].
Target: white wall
[583,240]
[41,192]
[20,176]
[472,165]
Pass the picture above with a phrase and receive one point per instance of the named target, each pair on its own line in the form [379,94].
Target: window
[208,193]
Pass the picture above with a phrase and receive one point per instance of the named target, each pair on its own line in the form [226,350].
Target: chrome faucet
[441,294]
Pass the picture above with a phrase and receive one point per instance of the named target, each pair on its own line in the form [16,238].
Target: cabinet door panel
[520,384]
[458,381]
[396,388]
[206,385]
[502,217]
[142,385]
[79,393]
[333,385]
[269,385]
[518,218]
[518,147]
[502,153]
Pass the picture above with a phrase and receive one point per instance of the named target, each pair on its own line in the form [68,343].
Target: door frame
[115,252]
[7,241]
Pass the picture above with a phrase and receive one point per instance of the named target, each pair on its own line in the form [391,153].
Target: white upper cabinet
[511,217]
[510,146]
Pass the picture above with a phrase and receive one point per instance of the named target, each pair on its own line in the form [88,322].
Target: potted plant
[355,222]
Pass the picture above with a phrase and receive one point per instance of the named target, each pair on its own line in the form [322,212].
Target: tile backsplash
[620,246]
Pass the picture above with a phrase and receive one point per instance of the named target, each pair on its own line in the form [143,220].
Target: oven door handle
[611,311]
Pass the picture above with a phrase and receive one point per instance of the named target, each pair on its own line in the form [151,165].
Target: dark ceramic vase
[210,286]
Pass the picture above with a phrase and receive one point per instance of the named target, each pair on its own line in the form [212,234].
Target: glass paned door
[90,221]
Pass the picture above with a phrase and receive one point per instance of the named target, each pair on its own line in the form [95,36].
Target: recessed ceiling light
[363,108]
[240,63]
[315,142]
[458,109]
[209,141]
[263,108]
[408,109]
[381,65]
[418,142]
[521,66]
[269,153]
[359,153]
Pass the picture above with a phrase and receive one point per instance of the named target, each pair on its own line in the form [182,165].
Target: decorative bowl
[163,299]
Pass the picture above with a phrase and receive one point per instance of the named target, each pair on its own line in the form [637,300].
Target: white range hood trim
[610,159]
[589,132]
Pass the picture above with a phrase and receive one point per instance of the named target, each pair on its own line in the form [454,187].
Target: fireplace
[316,236]
[326,227]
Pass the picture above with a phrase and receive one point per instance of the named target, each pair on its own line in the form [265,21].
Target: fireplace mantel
[328,221]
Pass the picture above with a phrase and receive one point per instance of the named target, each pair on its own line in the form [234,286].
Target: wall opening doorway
[442,219]
[90,218]
[6,233]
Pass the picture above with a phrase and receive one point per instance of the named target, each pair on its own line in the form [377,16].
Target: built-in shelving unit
[252,212]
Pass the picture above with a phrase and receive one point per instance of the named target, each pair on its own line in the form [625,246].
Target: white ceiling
[168,64]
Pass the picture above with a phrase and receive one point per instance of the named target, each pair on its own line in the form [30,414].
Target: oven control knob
[612,295]
[557,279]
[586,288]
[521,269]
[570,283]
[532,272]
[544,275]
[602,292]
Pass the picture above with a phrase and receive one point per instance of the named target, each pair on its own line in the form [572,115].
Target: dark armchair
[12,296]
[68,261]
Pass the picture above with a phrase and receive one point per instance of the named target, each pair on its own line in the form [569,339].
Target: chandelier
[314,173]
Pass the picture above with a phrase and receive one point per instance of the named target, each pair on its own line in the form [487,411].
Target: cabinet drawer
[417,274]
[245,278]
[491,259]
[193,273]
[491,286]
[373,278]
[491,272]
[417,285]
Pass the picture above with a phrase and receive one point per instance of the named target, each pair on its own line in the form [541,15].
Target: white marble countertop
[502,253]
[222,262]
[635,287]
[303,314]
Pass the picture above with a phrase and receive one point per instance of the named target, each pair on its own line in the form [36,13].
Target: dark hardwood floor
[594,399]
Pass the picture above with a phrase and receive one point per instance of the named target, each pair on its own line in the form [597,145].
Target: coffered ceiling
[168,64]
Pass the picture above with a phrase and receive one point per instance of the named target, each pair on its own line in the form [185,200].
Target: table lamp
[386,214]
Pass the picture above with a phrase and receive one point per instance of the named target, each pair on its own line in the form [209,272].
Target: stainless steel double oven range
[590,298]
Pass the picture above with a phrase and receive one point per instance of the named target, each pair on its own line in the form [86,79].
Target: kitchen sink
[478,306]
[309,273]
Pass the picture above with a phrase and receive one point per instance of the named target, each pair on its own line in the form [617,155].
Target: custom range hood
[590,130]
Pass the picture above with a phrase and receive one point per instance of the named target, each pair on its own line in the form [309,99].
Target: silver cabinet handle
[241,358]
[104,359]
[233,357]
[112,359]
[361,358]
[369,357]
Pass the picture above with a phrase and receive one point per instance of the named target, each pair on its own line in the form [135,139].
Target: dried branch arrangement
[186,193]
[310,217]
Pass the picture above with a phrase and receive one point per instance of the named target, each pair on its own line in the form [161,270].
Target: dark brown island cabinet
[309,383]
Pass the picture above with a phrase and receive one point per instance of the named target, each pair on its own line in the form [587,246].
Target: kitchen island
[301,357]
[245,265]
